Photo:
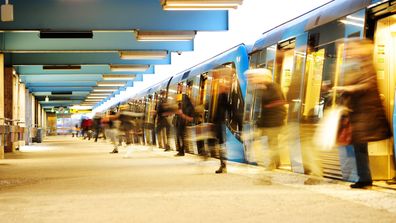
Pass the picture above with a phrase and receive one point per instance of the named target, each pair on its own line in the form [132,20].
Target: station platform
[67,179]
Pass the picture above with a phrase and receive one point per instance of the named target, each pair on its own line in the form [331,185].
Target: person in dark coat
[163,126]
[272,118]
[361,95]
[221,108]
[183,117]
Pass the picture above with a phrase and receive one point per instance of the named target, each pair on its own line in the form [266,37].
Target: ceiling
[79,40]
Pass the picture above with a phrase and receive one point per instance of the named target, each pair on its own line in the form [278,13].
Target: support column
[1,99]
[8,104]
[22,110]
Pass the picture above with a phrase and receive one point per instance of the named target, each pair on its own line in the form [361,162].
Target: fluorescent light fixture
[346,22]
[112,77]
[93,97]
[110,84]
[200,4]
[93,100]
[143,55]
[104,89]
[165,35]
[355,18]
[129,68]
[100,94]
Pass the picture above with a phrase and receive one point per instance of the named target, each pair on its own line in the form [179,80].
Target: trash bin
[39,136]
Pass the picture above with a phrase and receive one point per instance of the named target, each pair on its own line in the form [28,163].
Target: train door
[382,153]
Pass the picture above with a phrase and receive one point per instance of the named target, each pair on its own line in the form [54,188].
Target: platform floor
[66,179]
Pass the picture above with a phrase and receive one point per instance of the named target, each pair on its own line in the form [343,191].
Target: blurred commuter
[127,124]
[219,116]
[183,117]
[97,127]
[86,126]
[75,130]
[271,119]
[163,126]
[361,95]
[112,131]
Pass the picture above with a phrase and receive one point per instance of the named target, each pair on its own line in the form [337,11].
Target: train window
[189,87]
[285,61]
[270,58]
[253,60]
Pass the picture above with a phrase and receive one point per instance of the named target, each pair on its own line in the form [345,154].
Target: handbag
[335,127]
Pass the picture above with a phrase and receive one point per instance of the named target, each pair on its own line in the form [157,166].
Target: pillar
[8,102]
[1,99]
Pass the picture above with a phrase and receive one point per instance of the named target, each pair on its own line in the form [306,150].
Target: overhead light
[112,77]
[96,97]
[46,98]
[104,89]
[110,84]
[200,5]
[129,68]
[347,22]
[66,35]
[165,35]
[93,100]
[61,67]
[100,94]
[143,55]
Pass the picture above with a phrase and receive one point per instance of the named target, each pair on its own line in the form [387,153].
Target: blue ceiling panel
[21,41]
[76,59]
[60,77]
[85,69]
[61,84]
[110,15]
[59,89]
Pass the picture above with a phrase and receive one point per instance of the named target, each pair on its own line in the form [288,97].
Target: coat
[367,116]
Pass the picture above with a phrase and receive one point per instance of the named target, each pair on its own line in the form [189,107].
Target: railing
[11,132]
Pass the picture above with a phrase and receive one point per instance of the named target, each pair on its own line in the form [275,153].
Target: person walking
[183,116]
[361,95]
[272,118]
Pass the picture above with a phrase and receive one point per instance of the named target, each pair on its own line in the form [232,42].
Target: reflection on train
[303,56]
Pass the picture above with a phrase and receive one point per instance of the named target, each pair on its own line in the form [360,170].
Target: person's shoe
[391,181]
[312,181]
[221,170]
[179,154]
[167,150]
[264,180]
[361,184]
[114,151]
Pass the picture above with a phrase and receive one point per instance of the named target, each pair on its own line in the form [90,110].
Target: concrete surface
[66,179]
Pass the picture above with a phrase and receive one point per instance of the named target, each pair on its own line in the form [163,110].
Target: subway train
[303,55]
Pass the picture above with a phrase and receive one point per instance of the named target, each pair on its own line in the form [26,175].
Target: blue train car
[303,55]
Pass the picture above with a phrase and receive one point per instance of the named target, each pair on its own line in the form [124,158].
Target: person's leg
[113,138]
[362,164]
[166,138]
[221,148]
[179,141]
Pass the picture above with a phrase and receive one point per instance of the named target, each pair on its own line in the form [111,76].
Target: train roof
[312,19]
[209,63]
